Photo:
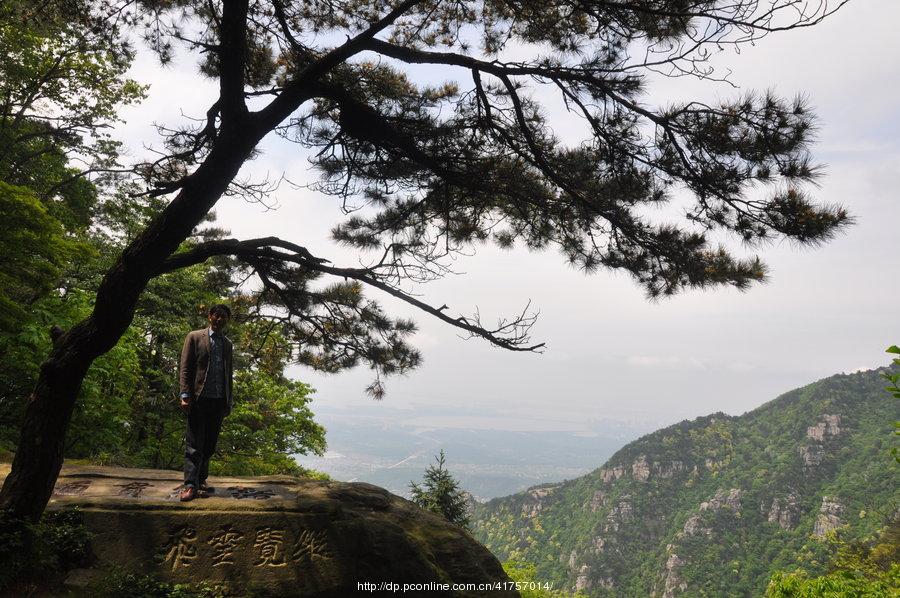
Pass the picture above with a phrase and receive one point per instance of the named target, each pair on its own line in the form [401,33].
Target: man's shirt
[215,374]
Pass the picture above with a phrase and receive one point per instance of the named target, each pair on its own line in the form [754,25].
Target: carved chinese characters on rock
[72,488]
[269,545]
[310,546]
[132,489]
[246,492]
[180,550]
[224,543]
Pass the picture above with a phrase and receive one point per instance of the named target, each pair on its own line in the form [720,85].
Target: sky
[612,355]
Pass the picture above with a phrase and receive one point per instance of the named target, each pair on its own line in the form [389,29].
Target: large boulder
[294,537]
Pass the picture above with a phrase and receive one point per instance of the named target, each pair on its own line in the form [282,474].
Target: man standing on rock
[205,378]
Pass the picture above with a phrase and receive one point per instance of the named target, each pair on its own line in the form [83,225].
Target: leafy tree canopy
[35,250]
[61,84]
[870,568]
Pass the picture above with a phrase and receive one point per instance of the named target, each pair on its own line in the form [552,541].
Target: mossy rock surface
[291,536]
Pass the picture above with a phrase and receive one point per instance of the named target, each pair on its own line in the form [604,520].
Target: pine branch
[511,335]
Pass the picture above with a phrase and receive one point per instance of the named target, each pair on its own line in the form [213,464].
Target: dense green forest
[717,505]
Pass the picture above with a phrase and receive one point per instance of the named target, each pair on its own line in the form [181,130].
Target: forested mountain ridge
[713,506]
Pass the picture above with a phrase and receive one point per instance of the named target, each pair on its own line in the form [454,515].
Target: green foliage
[440,493]
[121,583]
[668,494]
[713,442]
[127,411]
[894,389]
[840,584]
[864,569]
[35,553]
[100,420]
[856,568]
[61,83]
[118,582]
[530,585]
[35,249]
[271,422]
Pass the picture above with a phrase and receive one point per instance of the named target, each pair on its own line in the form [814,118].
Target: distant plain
[391,447]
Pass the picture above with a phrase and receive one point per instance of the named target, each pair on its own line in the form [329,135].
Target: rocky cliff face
[713,505]
[829,517]
[785,511]
[290,536]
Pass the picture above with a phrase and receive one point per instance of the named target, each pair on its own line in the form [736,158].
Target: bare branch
[515,330]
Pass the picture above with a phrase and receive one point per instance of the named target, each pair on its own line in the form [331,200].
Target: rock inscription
[227,545]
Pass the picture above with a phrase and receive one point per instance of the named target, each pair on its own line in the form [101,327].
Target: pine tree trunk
[39,455]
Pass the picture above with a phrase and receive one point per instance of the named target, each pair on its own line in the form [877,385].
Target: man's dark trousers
[204,422]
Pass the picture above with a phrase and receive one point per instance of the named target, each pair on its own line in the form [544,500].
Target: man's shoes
[188,493]
[205,488]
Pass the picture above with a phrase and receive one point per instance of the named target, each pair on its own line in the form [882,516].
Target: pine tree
[444,168]
[440,494]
